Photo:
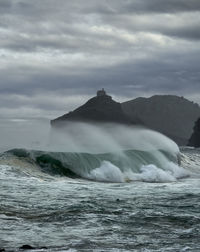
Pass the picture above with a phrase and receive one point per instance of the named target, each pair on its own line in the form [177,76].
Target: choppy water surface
[65,214]
[57,200]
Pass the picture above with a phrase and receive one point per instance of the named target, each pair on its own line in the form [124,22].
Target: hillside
[101,108]
[171,115]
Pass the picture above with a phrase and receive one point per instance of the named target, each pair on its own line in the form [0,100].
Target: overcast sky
[55,54]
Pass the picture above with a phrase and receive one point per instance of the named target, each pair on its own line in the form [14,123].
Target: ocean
[91,188]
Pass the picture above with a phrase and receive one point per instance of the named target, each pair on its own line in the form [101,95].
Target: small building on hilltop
[101,92]
[102,95]
[99,109]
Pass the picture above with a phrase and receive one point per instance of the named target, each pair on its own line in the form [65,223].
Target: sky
[55,54]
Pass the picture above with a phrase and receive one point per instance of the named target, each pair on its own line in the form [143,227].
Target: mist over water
[145,162]
[101,138]
[80,137]
[116,138]
[57,193]
[24,133]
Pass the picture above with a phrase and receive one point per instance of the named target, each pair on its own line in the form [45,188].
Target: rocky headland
[101,108]
[194,140]
[170,115]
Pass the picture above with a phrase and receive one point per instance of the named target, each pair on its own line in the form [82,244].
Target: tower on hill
[101,92]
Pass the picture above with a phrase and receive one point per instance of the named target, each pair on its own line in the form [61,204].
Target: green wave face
[73,164]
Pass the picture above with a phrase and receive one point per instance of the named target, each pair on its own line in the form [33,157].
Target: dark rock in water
[26,247]
[101,108]
[194,140]
[171,115]
[29,247]
[2,249]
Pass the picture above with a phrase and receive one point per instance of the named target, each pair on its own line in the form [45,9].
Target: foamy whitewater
[96,188]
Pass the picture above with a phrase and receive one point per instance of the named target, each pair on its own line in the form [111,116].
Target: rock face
[101,108]
[195,137]
[171,115]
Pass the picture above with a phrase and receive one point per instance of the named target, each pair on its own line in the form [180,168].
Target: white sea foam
[177,171]
[106,172]
[148,173]
[151,173]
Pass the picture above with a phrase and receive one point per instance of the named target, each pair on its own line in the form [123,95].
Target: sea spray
[106,152]
[45,212]
[151,173]
[83,137]
[24,133]
[107,172]
[118,139]
[102,138]
[133,165]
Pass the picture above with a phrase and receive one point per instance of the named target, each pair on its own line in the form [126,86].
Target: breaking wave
[107,153]
[124,166]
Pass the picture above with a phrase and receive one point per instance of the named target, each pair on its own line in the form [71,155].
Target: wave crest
[129,165]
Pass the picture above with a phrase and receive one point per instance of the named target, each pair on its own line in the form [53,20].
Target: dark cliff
[171,115]
[98,109]
[194,140]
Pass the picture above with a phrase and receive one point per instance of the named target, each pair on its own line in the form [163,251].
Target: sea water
[120,189]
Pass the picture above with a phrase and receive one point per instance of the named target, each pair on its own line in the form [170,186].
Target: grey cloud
[184,25]
[70,48]
[158,6]
[136,6]
[5,6]
[65,42]
[189,32]
[165,72]
[46,25]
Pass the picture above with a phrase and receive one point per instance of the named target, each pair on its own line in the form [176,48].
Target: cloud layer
[54,55]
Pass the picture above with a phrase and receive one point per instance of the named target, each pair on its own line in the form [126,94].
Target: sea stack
[194,140]
[99,109]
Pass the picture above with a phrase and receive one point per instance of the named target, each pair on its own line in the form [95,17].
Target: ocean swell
[124,166]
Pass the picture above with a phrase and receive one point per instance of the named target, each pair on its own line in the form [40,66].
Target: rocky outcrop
[171,115]
[194,140]
[101,108]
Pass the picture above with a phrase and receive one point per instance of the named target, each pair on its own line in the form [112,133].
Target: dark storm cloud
[154,75]
[173,72]
[189,32]
[5,5]
[161,6]
[56,54]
